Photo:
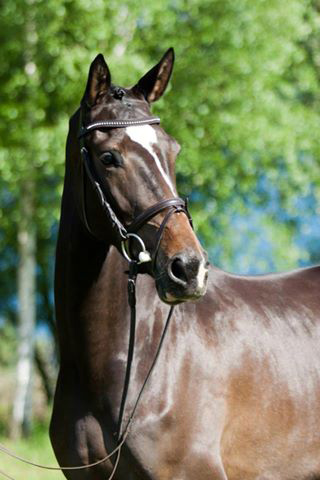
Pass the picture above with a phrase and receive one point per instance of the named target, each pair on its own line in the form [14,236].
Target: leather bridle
[123,236]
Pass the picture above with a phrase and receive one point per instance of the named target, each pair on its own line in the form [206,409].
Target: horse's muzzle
[183,277]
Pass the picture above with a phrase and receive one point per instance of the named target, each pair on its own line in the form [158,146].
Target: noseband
[124,234]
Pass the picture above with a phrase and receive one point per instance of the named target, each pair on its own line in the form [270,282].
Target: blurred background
[243,103]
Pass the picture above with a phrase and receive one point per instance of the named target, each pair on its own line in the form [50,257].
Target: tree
[240,91]
[34,103]
[244,104]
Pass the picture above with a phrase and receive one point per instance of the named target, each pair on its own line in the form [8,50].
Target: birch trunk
[22,404]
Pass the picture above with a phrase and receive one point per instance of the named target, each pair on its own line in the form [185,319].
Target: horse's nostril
[178,271]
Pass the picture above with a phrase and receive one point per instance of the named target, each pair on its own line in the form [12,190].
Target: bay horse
[235,392]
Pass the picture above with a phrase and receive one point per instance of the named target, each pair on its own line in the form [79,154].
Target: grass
[36,448]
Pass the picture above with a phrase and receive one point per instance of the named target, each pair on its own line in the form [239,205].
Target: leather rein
[123,236]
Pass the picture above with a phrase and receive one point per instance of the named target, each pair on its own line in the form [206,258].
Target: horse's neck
[91,302]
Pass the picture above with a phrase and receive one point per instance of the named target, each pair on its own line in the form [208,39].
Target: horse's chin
[171,297]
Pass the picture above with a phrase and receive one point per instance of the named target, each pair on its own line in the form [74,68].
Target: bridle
[123,235]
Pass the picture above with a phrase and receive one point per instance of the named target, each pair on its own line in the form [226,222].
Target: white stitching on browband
[122,123]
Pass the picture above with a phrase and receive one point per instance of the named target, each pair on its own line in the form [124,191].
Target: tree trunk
[45,374]
[22,404]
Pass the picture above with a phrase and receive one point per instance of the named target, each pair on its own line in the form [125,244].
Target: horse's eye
[107,158]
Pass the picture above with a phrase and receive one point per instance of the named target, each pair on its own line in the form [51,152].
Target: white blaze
[146,136]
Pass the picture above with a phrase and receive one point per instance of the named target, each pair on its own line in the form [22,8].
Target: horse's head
[132,165]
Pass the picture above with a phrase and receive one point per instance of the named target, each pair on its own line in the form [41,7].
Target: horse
[232,390]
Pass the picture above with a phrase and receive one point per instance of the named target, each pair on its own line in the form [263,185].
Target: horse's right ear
[99,80]
[153,84]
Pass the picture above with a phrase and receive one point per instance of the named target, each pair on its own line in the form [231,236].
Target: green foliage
[8,344]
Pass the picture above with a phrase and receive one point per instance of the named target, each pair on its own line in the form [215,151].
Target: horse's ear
[153,84]
[99,80]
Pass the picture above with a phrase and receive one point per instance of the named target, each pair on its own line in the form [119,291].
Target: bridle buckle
[143,257]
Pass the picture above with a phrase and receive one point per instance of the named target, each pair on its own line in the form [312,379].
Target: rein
[121,438]
[123,234]
[173,205]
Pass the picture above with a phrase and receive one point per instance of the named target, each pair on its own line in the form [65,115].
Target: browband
[117,124]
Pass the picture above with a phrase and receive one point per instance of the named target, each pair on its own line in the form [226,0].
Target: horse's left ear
[153,84]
